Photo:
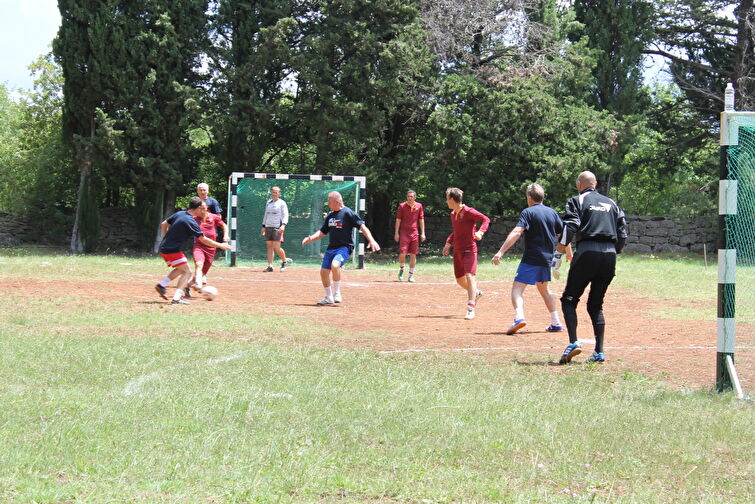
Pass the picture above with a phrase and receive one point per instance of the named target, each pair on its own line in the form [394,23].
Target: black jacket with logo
[592,216]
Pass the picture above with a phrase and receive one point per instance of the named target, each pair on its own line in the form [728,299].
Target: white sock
[328,293]
[337,287]
[164,282]
[470,305]
[518,313]
[554,318]
[411,271]
[178,295]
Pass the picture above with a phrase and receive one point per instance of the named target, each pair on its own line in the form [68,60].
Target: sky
[27,28]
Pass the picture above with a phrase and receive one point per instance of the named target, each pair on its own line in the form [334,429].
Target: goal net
[737,234]
[307,200]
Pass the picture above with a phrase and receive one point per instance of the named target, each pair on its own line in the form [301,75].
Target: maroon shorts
[176,259]
[204,255]
[407,245]
[465,261]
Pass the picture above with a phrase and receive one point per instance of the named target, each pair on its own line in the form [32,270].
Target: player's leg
[342,255]
[401,258]
[605,267]
[270,254]
[198,255]
[517,302]
[172,260]
[580,274]
[413,250]
[209,258]
[184,272]
[281,254]
[327,261]
[550,302]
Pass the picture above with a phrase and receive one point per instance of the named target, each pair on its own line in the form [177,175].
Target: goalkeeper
[541,227]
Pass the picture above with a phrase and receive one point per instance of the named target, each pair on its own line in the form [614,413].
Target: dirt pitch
[391,317]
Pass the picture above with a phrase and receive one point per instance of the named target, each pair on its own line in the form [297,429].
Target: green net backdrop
[307,200]
[740,227]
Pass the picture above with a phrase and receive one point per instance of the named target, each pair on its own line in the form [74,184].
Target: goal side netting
[736,240]
[307,200]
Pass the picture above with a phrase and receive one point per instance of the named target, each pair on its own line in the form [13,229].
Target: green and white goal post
[307,199]
[736,240]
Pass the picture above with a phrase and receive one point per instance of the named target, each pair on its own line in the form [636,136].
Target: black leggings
[596,269]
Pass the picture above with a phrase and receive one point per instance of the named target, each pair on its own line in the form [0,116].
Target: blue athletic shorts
[341,254]
[530,275]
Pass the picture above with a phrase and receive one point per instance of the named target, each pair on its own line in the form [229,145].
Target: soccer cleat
[179,301]
[470,314]
[572,350]
[411,278]
[196,287]
[162,291]
[187,292]
[518,324]
[597,357]
[269,269]
[286,263]
[325,301]
[337,297]
[400,274]
[554,328]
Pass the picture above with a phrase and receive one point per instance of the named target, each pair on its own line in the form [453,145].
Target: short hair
[275,187]
[536,192]
[202,184]
[336,196]
[455,194]
[411,191]
[195,202]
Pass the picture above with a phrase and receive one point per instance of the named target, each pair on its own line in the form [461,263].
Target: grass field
[104,402]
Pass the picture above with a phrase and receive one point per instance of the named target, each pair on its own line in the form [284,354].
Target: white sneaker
[325,301]
[470,314]
[337,297]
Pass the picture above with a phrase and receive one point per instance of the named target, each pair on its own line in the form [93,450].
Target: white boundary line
[546,347]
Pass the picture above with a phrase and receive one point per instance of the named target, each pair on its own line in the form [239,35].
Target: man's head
[197,207]
[535,194]
[411,197]
[585,180]
[275,192]
[335,200]
[454,194]
[203,190]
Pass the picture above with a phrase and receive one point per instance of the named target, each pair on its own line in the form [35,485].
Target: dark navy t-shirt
[182,227]
[542,226]
[339,225]
[213,206]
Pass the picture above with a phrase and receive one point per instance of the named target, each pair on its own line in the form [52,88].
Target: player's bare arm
[509,242]
[395,233]
[421,223]
[164,225]
[212,243]
[446,248]
[313,237]
[366,232]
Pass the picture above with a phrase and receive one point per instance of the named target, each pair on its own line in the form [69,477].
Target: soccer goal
[307,200]
[736,240]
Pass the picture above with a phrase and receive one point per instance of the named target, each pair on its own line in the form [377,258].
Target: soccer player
[338,225]
[410,214]
[202,254]
[600,229]
[541,227]
[464,220]
[176,229]
[203,191]
[273,225]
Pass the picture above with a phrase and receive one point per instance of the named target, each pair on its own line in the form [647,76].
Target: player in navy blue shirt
[203,191]
[541,226]
[338,225]
[176,230]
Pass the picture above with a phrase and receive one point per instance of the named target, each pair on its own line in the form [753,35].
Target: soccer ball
[209,292]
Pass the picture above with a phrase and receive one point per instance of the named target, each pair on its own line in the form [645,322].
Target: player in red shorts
[176,229]
[463,237]
[410,214]
[204,255]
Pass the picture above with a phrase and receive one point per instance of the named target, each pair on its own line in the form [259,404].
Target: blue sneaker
[518,324]
[554,328]
[572,350]
[597,357]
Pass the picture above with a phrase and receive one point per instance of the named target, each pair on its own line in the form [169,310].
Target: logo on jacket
[603,207]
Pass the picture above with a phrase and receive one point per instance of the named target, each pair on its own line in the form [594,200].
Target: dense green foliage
[155,96]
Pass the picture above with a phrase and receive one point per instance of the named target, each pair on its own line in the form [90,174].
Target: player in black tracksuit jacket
[600,229]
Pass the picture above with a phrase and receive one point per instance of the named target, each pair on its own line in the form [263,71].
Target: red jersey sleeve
[473,214]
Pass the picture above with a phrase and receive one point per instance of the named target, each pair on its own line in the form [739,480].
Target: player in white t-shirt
[273,225]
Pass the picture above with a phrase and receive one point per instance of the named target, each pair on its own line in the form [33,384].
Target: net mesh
[307,202]
[740,227]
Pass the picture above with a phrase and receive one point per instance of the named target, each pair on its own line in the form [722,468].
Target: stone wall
[646,234]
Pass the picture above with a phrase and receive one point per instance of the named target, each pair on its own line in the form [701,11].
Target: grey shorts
[273,234]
